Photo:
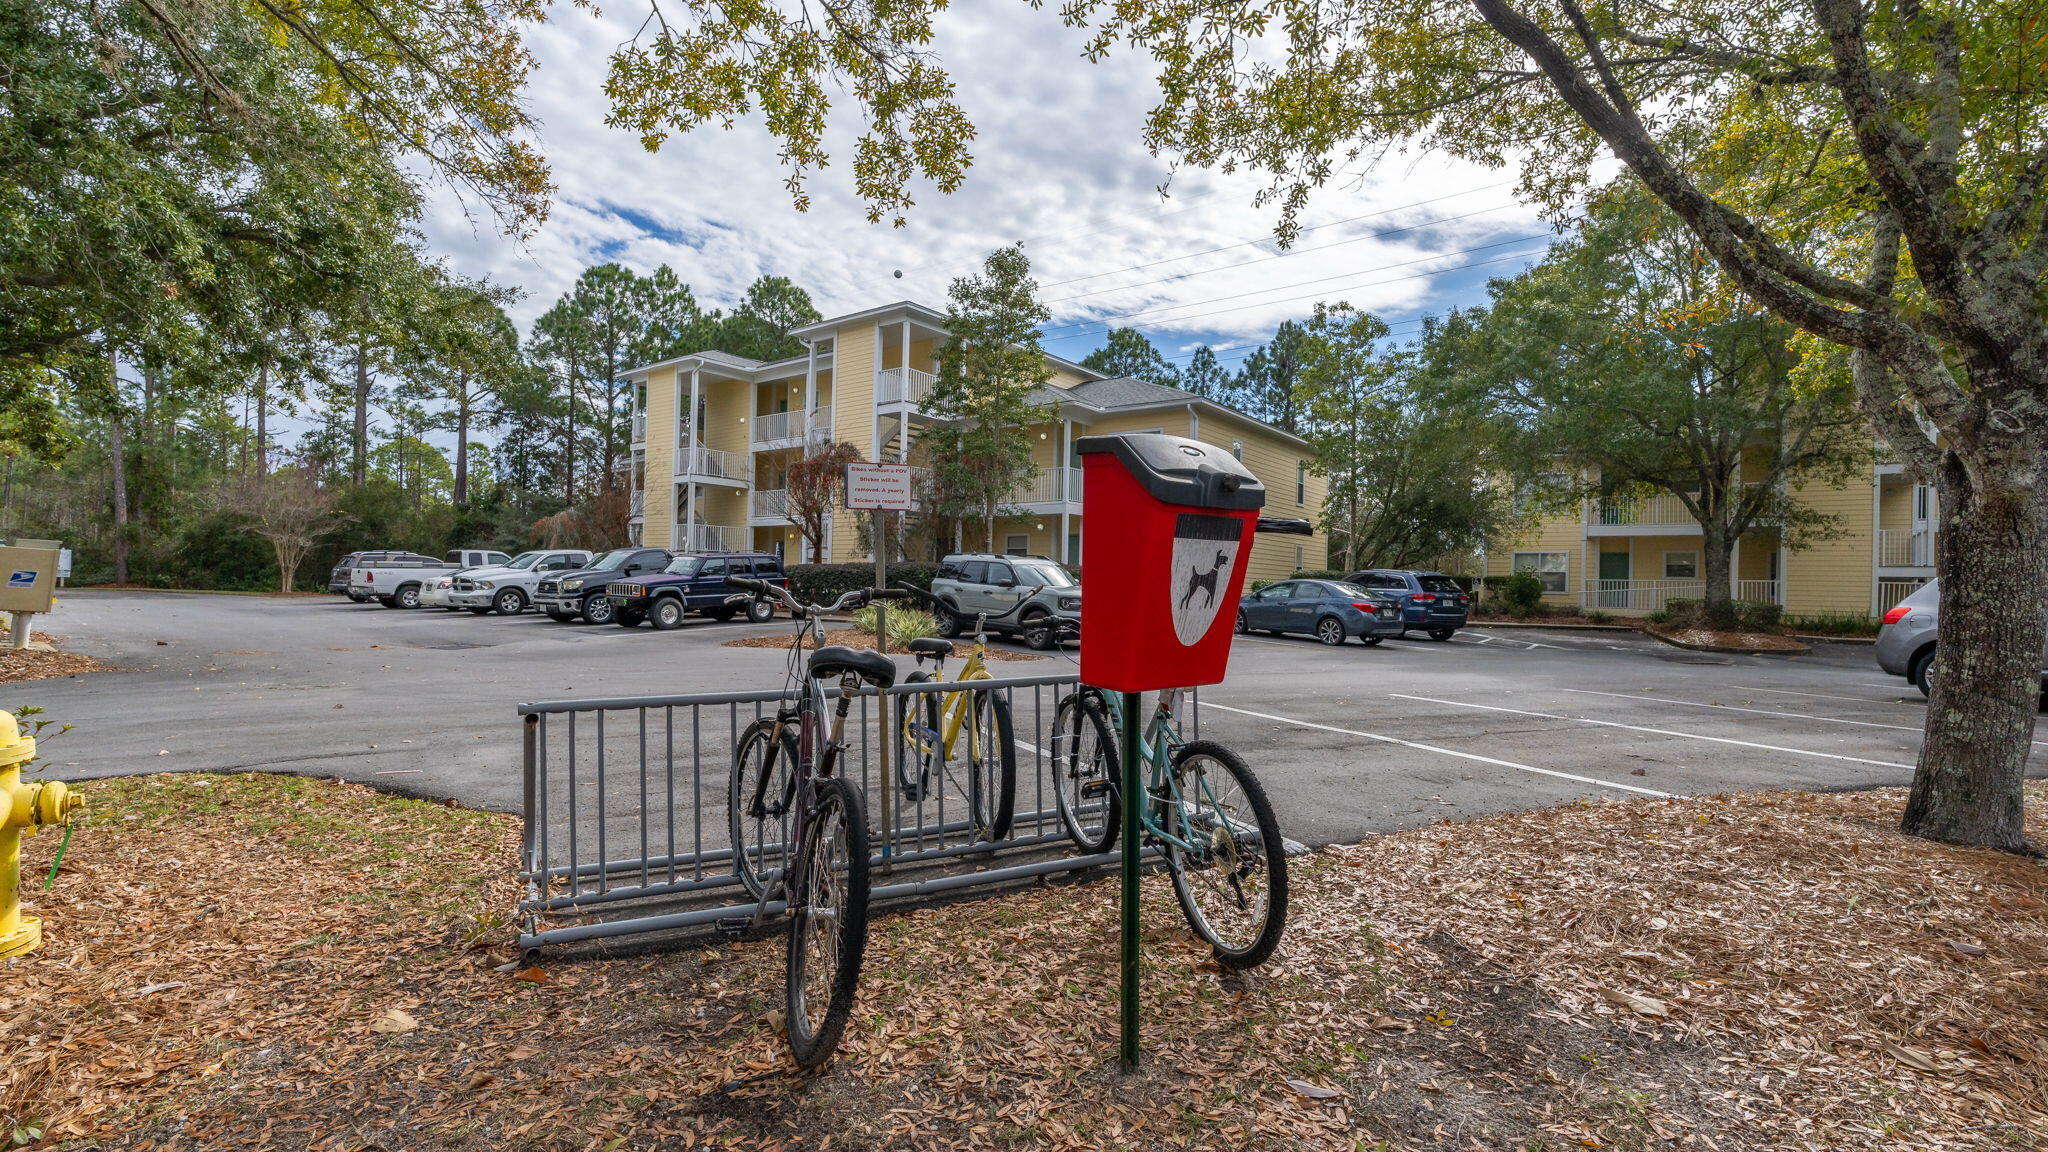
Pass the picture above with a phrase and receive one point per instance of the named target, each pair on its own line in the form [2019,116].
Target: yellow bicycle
[962,738]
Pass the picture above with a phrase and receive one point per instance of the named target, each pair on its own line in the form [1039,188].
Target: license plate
[618,601]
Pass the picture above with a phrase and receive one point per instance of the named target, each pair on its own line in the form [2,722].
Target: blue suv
[1430,601]
[694,582]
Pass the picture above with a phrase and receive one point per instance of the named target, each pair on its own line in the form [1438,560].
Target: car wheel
[760,611]
[950,625]
[598,610]
[1371,641]
[1922,672]
[1242,628]
[407,597]
[1330,630]
[510,602]
[667,614]
[1037,632]
[1442,633]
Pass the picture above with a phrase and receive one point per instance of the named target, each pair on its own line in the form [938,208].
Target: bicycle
[1206,811]
[783,785]
[976,723]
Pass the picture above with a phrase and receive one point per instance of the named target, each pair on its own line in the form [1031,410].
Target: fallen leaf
[1910,1057]
[481,1080]
[394,1020]
[1389,1024]
[1636,1002]
[1967,948]
[532,975]
[523,1052]
[1313,1091]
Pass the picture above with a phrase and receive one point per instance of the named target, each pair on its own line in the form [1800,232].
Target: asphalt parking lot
[1350,741]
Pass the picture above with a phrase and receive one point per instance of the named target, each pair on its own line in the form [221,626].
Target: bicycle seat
[930,646]
[838,660]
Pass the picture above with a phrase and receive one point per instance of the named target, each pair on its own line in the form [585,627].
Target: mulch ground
[17,665]
[258,962]
[856,638]
[1710,640]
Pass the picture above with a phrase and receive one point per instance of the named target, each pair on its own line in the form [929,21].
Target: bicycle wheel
[757,801]
[828,923]
[923,734]
[1086,781]
[987,756]
[1233,886]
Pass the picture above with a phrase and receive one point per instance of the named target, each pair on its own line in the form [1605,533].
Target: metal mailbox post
[1166,528]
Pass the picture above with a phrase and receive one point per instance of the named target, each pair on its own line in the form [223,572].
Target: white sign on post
[880,487]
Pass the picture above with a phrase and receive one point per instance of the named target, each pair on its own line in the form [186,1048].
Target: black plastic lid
[1176,470]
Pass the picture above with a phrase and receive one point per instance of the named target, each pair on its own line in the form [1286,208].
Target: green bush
[1319,574]
[824,583]
[1599,617]
[1659,616]
[1522,592]
[1741,615]
[1833,624]
[905,624]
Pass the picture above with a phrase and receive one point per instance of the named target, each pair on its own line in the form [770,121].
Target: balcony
[710,538]
[768,504]
[1050,486]
[639,506]
[639,427]
[1651,595]
[821,424]
[700,463]
[1661,514]
[778,430]
[903,385]
[1906,547]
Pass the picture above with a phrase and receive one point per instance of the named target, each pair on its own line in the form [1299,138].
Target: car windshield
[524,560]
[1044,575]
[684,565]
[1353,591]
[610,560]
[1441,585]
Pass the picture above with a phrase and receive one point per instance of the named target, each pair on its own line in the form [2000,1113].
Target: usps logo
[1204,553]
[22,578]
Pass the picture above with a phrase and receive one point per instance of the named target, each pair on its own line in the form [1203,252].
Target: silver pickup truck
[397,583]
[507,588]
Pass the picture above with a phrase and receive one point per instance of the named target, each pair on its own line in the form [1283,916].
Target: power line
[1106,321]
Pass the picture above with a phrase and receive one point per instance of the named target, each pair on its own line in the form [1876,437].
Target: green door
[1614,580]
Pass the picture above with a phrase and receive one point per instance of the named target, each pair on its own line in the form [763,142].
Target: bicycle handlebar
[763,590]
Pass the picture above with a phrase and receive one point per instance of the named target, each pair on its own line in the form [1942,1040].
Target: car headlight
[1070,603]
[571,585]
[485,584]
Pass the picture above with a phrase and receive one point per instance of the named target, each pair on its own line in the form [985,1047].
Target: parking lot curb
[1725,649]
[1551,627]
[1834,639]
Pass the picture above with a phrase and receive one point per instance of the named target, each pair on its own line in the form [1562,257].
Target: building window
[1016,545]
[1681,565]
[1301,484]
[1550,567]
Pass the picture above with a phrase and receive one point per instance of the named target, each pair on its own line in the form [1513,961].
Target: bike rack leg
[1132,790]
[885,790]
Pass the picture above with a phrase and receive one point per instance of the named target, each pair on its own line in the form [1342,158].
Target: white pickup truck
[397,583]
[507,588]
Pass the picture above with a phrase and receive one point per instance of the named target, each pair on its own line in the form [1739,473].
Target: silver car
[1905,644]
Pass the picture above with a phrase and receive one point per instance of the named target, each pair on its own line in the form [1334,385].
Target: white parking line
[1815,695]
[1653,731]
[1440,751]
[1733,708]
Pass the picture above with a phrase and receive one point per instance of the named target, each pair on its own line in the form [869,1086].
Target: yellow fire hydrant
[30,806]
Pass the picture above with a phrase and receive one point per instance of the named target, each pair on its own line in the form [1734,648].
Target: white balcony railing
[639,427]
[1906,547]
[697,460]
[710,537]
[1890,592]
[1050,486]
[768,503]
[896,385]
[821,423]
[1662,510]
[778,426]
[1652,595]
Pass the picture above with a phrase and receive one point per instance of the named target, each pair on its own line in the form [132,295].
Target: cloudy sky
[1058,166]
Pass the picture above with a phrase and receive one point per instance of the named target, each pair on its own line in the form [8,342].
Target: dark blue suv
[694,582]
[1430,601]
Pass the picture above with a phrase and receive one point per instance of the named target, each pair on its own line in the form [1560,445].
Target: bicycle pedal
[734,927]
[1094,789]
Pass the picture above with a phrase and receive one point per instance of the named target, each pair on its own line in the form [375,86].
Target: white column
[874,399]
[1066,487]
[810,389]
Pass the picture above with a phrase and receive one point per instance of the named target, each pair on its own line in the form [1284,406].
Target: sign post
[1165,540]
[881,489]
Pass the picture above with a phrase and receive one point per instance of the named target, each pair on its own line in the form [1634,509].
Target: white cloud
[1058,165]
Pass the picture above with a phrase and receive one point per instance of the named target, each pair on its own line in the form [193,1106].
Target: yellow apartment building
[714,436]
[1629,557]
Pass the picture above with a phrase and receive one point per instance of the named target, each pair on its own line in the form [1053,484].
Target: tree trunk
[1993,565]
[1717,565]
[359,466]
[263,418]
[569,450]
[117,453]
[989,511]
[462,446]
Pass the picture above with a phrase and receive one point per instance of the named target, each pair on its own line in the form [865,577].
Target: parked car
[1906,640]
[507,588]
[1028,595]
[396,583]
[1328,610]
[564,596]
[1430,601]
[337,579]
[694,582]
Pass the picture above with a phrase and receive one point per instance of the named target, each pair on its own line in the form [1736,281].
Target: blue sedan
[1329,610]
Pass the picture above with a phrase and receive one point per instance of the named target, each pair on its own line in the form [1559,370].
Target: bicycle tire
[1081,730]
[1267,861]
[991,780]
[838,829]
[920,748]
[767,747]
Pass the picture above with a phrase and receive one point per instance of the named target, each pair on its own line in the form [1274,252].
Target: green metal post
[1133,793]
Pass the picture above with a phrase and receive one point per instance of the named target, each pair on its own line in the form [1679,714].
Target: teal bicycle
[1203,808]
